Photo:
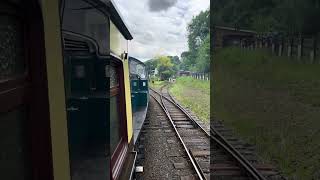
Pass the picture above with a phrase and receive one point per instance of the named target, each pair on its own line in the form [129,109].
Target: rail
[215,136]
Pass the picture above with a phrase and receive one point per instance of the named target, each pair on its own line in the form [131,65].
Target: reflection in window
[137,69]
[114,77]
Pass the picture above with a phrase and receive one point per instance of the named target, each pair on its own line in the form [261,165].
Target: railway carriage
[65,98]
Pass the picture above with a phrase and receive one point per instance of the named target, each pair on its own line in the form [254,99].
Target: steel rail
[252,171]
[224,143]
[194,164]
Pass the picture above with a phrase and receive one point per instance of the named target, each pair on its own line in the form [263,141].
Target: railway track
[230,158]
[159,151]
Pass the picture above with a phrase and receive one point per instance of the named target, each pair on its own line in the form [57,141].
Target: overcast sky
[159,27]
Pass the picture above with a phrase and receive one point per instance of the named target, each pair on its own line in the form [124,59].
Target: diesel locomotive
[139,94]
[65,91]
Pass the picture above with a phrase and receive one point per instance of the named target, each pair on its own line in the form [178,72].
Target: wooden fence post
[266,44]
[280,47]
[273,48]
[300,48]
[314,49]
[289,47]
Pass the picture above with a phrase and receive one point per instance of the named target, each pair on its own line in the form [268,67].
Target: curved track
[227,161]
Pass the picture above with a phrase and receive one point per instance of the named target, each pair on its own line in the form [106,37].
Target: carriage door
[23,133]
[118,130]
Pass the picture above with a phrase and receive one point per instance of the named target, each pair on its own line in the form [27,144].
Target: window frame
[120,152]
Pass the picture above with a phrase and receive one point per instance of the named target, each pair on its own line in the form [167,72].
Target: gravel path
[159,150]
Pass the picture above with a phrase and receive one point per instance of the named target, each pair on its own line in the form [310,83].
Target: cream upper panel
[118,44]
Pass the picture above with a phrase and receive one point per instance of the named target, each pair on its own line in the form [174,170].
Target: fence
[299,47]
[201,76]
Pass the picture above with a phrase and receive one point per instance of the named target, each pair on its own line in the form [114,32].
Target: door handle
[72,109]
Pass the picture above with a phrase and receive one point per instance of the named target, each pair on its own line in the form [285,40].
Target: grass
[193,94]
[274,103]
[157,84]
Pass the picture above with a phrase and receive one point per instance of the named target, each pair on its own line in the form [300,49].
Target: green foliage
[272,102]
[198,30]
[292,17]
[165,67]
[175,60]
[198,56]
[151,64]
[203,56]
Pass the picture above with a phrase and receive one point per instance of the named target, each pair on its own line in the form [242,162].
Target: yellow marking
[58,118]
[128,98]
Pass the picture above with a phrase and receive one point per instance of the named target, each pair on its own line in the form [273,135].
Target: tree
[198,56]
[165,67]
[151,64]
[175,60]
[187,61]
[203,57]
[198,29]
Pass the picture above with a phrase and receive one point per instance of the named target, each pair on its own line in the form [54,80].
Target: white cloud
[159,28]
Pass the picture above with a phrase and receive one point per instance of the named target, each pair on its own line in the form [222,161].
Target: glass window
[114,123]
[137,69]
[114,77]
[11,47]
[83,18]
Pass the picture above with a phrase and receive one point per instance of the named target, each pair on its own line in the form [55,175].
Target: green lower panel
[134,102]
[141,98]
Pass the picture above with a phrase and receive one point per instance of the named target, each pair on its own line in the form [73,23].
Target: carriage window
[114,123]
[114,108]
[117,111]
[81,17]
[137,69]
[114,77]
[11,47]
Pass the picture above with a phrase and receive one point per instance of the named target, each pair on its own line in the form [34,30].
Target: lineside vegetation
[274,103]
[193,94]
